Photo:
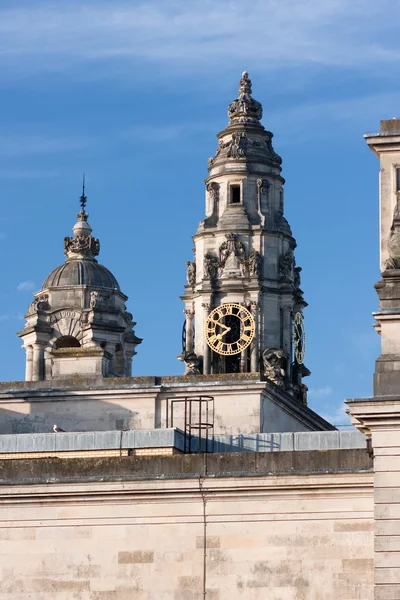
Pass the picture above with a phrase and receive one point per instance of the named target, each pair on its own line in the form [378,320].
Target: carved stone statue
[255,263]
[285,266]
[393,262]
[296,277]
[237,145]
[273,359]
[211,264]
[93,299]
[191,273]
[192,362]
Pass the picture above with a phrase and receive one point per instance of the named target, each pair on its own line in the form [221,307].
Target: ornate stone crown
[245,109]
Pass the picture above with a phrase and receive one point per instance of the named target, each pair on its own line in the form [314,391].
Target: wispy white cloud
[199,34]
[4,317]
[321,392]
[26,286]
[22,173]
[308,121]
[337,415]
[16,144]
[2,236]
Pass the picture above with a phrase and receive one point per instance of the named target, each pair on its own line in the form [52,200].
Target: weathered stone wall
[82,404]
[276,526]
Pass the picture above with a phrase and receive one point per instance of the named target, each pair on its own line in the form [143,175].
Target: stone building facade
[144,495]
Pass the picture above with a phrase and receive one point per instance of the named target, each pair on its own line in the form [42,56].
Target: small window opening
[397,180]
[235,194]
[67,341]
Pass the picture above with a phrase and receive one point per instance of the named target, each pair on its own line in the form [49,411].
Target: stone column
[29,363]
[206,350]
[38,362]
[255,351]
[379,419]
[287,330]
[189,329]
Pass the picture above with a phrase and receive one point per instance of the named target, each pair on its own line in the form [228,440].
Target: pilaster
[379,419]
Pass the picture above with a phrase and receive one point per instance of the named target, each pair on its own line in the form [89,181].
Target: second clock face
[229,329]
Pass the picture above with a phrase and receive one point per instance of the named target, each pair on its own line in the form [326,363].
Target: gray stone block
[107,440]
[75,441]
[8,443]
[43,442]
[352,438]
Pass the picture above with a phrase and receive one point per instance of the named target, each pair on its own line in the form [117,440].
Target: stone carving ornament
[211,265]
[236,147]
[98,300]
[393,262]
[40,303]
[245,108]
[285,266]
[192,362]
[81,244]
[191,273]
[255,264]
[273,360]
[214,266]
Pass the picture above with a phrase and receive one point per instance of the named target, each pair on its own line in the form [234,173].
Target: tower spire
[82,245]
[83,198]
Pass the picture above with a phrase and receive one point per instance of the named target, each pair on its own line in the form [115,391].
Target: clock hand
[220,325]
[224,333]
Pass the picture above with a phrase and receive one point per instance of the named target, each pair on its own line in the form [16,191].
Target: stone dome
[81,272]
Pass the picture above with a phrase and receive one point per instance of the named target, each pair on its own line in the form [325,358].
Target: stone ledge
[183,466]
[81,382]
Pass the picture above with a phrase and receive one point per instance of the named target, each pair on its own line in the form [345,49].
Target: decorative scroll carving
[245,108]
[285,266]
[39,303]
[255,263]
[191,273]
[273,360]
[213,190]
[240,146]
[192,362]
[263,186]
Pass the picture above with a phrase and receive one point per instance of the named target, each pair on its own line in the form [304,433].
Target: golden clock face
[299,338]
[229,329]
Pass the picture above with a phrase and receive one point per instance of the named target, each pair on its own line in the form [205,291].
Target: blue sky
[133,94]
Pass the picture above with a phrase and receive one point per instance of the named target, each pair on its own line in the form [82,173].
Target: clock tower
[243,302]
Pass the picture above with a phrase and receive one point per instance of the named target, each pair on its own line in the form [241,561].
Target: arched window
[67,341]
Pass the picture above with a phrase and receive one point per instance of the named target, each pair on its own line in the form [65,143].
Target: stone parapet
[184,466]
[41,445]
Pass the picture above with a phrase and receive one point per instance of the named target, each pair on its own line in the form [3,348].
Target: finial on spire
[83,198]
[245,109]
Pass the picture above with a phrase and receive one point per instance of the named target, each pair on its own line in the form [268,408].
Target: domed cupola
[77,323]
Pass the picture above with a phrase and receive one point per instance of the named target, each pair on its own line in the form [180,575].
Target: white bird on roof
[58,429]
